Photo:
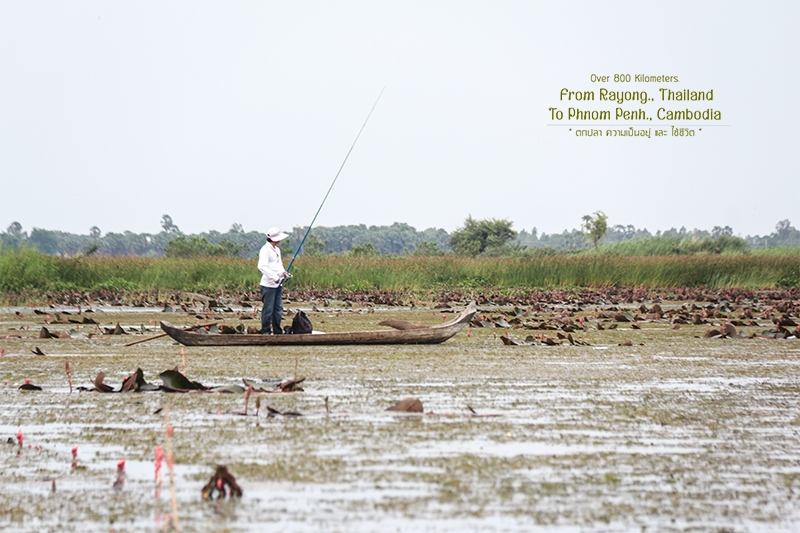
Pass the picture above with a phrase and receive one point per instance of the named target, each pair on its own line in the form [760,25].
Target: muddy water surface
[678,433]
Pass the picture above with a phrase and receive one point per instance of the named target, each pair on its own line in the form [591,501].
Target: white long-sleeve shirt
[270,265]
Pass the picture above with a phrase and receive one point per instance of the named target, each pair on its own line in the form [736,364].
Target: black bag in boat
[300,323]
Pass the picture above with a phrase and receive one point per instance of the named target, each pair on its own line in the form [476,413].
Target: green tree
[313,245]
[718,232]
[15,229]
[595,226]
[168,225]
[489,236]
[785,234]
[46,241]
[14,237]
[428,249]
[193,246]
[782,229]
[367,249]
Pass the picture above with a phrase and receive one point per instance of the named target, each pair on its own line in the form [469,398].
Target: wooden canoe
[429,335]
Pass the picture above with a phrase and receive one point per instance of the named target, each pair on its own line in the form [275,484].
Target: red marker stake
[120,481]
[157,462]
[68,372]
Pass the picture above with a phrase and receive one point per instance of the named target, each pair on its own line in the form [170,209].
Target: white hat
[274,234]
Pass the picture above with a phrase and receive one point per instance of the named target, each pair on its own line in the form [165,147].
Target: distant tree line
[396,239]
[475,237]
[785,234]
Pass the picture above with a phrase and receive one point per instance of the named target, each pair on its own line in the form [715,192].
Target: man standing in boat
[272,277]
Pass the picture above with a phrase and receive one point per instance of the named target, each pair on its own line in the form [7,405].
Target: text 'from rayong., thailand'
[635,106]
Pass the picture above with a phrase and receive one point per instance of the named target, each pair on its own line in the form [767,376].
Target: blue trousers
[272,311]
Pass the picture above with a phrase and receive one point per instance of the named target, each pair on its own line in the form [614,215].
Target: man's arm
[263,261]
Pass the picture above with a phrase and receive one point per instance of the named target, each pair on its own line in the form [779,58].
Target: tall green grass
[26,270]
[29,270]
[777,250]
[547,271]
[674,245]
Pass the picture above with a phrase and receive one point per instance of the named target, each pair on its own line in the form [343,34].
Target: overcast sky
[114,113]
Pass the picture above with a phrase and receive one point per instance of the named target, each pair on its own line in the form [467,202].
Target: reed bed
[27,270]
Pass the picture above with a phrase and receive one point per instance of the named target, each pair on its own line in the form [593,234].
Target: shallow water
[678,433]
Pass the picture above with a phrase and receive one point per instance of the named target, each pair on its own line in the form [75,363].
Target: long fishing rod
[336,177]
